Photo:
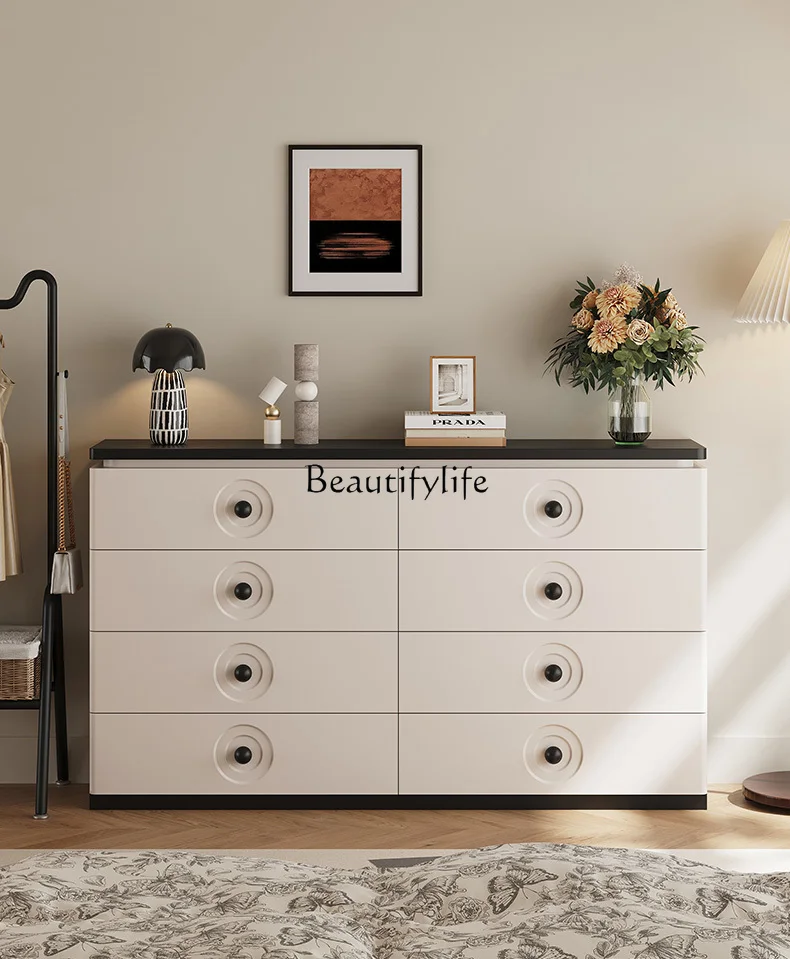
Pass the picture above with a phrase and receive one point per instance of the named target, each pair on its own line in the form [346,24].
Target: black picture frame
[415,148]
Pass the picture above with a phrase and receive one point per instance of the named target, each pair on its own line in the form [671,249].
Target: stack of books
[466,429]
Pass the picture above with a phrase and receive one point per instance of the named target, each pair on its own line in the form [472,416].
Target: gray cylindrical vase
[306,362]
[306,423]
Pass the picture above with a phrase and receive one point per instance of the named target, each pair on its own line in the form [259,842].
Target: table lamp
[767,300]
[166,351]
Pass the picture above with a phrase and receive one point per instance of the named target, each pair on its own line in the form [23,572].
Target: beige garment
[10,555]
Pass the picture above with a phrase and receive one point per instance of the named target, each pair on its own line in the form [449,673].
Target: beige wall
[143,161]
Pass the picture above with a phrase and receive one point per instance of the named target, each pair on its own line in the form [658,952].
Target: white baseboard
[18,759]
[732,758]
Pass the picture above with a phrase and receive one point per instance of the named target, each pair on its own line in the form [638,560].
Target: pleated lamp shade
[767,297]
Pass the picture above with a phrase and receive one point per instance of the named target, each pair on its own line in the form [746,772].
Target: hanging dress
[10,555]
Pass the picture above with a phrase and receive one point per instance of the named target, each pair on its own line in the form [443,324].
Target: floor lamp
[767,300]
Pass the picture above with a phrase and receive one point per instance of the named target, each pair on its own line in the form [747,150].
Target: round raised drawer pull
[242,591]
[243,755]
[553,673]
[243,673]
[553,755]
[553,509]
[553,591]
[242,509]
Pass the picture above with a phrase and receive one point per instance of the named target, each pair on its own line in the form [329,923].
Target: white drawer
[188,754]
[666,506]
[258,672]
[506,755]
[540,672]
[302,591]
[194,508]
[486,590]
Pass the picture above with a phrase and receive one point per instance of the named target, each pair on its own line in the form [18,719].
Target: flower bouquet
[622,335]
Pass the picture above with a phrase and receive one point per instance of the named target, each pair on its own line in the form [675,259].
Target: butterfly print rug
[504,902]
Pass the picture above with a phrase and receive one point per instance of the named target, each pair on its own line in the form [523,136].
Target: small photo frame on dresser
[453,384]
[355,220]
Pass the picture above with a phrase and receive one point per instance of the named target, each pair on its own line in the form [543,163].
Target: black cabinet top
[599,449]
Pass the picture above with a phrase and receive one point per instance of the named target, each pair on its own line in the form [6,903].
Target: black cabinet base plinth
[769,789]
[398,802]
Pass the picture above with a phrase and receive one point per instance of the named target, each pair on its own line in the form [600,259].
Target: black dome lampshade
[168,348]
[166,352]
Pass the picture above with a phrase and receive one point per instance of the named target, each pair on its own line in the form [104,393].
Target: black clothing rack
[52,665]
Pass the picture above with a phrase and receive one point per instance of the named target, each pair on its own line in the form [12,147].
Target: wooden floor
[727,823]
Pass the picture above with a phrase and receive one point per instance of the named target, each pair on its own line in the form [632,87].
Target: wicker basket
[20,678]
[20,662]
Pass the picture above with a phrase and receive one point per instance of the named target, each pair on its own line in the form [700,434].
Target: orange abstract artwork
[355,220]
[355,194]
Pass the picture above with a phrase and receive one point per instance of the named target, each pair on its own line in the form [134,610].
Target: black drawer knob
[242,509]
[553,673]
[243,673]
[553,755]
[553,591]
[243,755]
[553,509]
[242,591]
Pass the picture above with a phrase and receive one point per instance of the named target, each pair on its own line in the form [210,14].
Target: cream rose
[639,331]
[589,301]
[667,308]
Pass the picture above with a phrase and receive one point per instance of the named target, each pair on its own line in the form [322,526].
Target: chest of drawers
[394,636]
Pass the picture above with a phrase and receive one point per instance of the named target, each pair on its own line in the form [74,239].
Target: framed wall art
[453,384]
[355,221]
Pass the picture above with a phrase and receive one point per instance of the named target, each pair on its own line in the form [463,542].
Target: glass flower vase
[629,413]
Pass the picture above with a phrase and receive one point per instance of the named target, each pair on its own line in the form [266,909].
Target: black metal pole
[52,398]
[59,677]
[45,707]
[49,611]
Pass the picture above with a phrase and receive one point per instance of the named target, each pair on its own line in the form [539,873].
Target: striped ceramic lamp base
[169,421]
